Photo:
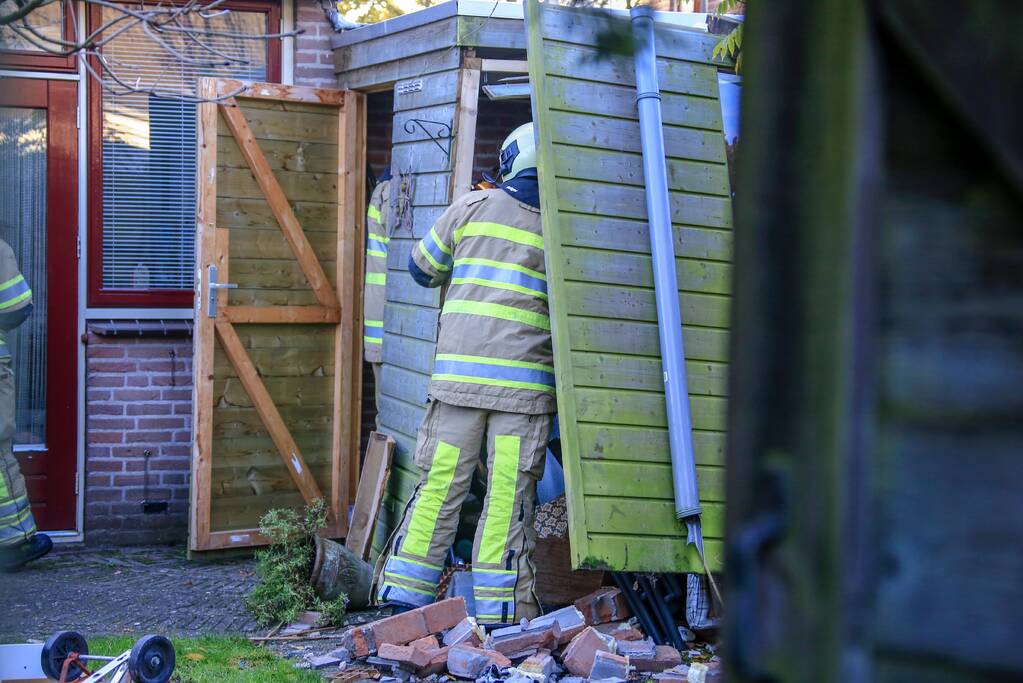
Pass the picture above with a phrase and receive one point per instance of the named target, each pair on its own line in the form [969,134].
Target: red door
[39,219]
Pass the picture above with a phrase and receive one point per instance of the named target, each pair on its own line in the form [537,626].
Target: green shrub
[283,568]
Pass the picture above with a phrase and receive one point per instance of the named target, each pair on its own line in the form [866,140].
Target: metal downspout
[669,318]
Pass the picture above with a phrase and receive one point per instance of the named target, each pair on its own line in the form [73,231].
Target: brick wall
[314,61]
[138,402]
[495,121]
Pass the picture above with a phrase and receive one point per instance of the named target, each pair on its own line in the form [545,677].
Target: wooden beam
[203,336]
[268,412]
[279,314]
[375,473]
[464,149]
[508,66]
[278,203]
[276,92]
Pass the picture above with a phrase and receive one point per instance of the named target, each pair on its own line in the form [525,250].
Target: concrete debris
[540,666]
[603,605]
[581,651]
[465,661]
[466,631]
[608,665]
[621,630]
[664,657]
[569,619]
[324,662]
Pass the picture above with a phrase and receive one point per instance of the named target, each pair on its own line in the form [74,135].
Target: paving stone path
[107,591]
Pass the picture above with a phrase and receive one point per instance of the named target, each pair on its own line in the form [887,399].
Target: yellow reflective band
[439,242]
[501,492]
[406,578]
[373,213]
[373,323]
[494,284]
[376,252]
[497,311]
[502,265]
[16,300]
[495,361]
[376,278]
[503,232]
[373,340]
[508,383]
[10,283]
[431,499]
[435,567]
[432,594]
[379,238]
[432,260]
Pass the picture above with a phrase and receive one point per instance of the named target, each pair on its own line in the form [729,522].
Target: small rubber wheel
[152,660]
[56,650]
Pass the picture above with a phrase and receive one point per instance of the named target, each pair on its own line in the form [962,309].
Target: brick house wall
[138,380]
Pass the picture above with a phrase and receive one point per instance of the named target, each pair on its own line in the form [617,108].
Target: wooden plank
[279,314]
[508,66]
[411,321]
[400,416]
[622,135]
[621,234]
[280,362]
[432,189]
[630,202]
[419,157]
[372,483]
[277,91]
[255,213]
[491,32]
[434,118]
[624,168]
[268,412]
[372,77]
[636,270]
[434,89]
[272,274]
[405,385]
[310,391]
[203,335]
[635,303]
[630,337]
[278,202]
[464,148]
[281,155]
[401,288]
[613,99]
[626,479]
[586,63]
[645,444]
[430,38]
[405,352]
[270,244]
[297,186]
[232,422]
[645,409]
[649,517]
[269,124]
[654,554]
[351,199]
[613,371]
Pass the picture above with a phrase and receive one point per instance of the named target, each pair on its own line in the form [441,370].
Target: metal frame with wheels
[65,654]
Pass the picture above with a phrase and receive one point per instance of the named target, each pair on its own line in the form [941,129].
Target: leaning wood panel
[276,366]
[603,315]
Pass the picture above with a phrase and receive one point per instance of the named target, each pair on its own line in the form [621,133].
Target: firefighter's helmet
[518,152]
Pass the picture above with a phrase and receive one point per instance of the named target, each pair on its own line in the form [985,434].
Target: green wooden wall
[604,321]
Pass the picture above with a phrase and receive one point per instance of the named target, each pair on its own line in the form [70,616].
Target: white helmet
[518,152]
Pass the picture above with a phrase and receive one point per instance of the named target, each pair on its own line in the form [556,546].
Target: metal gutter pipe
[669,318]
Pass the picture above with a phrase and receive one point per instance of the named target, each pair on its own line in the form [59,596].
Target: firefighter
[19,542]
[376,277]
[492,387]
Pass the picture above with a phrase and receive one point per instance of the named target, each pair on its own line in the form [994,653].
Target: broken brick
[569,619]
[609,665]
[527,642]
[406,627]
[580,653]
[620,630]
[405,655]
[541,664]
[467,631]
[429,642]
[440,616]
[603,605]
[470,662]
[664,657]
[438,662]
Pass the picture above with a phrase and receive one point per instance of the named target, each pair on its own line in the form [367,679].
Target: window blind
[149,145]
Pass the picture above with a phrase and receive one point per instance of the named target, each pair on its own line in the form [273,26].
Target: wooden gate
[278,306]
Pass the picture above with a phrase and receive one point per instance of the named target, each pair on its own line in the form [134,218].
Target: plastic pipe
[669,318]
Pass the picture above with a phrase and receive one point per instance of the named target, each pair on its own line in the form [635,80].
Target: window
[143,161]
[20,44]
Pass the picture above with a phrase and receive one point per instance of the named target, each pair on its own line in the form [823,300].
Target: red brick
[609,665]
[105,495]
[413,658]
[528,642]
[665,657]
[445,614]
[428,643]
[97,408]
[104,466]
[603,605]
[620,631]
[112,366]
[95,351]
[104,437]
[470,662]
[161,422]
[105,381]
[150,408]
[579,655]
[137,395]
[438,662]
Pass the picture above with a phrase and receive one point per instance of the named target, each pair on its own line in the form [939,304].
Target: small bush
[284,567]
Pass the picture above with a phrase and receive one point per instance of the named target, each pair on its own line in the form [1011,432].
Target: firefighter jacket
[374,294]
[494,346]
[15,294]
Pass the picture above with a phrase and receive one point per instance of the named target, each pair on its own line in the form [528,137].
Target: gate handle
[213,285]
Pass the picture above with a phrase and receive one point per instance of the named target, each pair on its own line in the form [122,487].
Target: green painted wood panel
[603,313]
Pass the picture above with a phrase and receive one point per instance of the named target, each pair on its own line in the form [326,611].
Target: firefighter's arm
[376,233]
[432,259]
[15,294]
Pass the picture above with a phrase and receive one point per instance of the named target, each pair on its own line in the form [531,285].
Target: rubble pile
[593,640]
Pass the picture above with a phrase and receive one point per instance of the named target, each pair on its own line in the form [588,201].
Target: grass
[217,659]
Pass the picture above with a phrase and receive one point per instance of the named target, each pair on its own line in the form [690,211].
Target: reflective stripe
[379,238]
[372,340]
[392,591]
[373,213]
[469,379]
[402,577]
[489,310]
[377,245]
[373,331]
[499,276]
[431,498]
[14,291]
[502,611]
[377,254]
[486,368]
[503,579]
[435,251]
[376,278]
[423,571]
[501,494]
[503,232]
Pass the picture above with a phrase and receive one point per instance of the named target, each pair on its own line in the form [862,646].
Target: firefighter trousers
[16,521]
[448,449]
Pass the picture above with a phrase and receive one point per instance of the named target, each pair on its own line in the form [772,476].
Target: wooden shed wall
[604,320]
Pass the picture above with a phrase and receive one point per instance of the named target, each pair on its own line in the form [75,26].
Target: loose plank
[375,473]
